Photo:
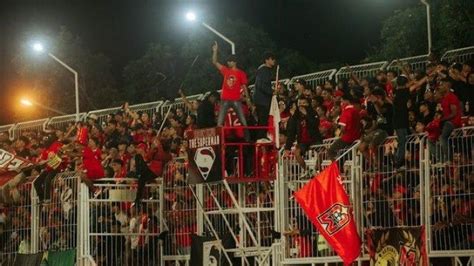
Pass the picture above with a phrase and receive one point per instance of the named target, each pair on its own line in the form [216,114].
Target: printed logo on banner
[204,158]
[334,218]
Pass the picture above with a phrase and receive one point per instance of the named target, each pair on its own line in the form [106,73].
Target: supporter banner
[10,165]
[205,155]
[327,206]
[397,246]
[204,252]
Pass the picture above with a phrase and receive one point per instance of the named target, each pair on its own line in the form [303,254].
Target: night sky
[322,30]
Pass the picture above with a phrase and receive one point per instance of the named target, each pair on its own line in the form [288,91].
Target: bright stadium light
[29,103]
[26,102]
[191,16]
[38,47]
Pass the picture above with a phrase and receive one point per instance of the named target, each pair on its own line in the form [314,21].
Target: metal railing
[362,70]
[415,62]
[35,127]
[459,55]
[316,78]
[63,121]
[301,243]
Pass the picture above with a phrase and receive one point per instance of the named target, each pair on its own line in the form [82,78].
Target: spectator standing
[262,96]
[349,122]
[234,81]
[451,115]
[400,120]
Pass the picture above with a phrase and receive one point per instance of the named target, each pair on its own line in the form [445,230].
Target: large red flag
[327,206]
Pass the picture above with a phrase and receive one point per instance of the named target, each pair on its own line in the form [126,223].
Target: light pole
[27,102]
[38,47]
[428,23]
[191,16]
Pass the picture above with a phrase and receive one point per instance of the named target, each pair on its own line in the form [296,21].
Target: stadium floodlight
[191,16]
[29,103]
[26,102]
[38,47]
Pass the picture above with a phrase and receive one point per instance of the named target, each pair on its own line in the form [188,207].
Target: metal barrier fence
[58,217]
[120,232]
[415,62]
[104,115]
[178,216]
[35,126]
[362,70]
[149,108]
[16,226]
[63,121]
[179,103]
[316,78]
[301,243]
[450,196]
[459,55]
[370,69]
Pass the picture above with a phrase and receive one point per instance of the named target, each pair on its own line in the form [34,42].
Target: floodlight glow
[38,47]
[26,102]
[191,16]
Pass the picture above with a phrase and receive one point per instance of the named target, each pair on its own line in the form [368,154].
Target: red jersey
[91,164]
[350,119]
[448,100]
[233,80]
[434,130]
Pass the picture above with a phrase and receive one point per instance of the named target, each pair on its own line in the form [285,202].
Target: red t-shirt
[350,119]
[452,99]
[91,164]
[434,130]
[233,80]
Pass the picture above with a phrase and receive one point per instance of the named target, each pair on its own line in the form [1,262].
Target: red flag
[327,206]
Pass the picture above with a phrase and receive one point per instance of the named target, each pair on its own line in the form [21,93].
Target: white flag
[274,121]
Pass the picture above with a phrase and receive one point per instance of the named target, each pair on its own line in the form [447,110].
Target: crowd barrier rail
[317,78]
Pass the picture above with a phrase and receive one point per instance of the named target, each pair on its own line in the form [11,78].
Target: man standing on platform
[262,96]
[234,81]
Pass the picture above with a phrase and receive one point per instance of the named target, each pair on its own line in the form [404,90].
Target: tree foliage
[405,32]
[191,65]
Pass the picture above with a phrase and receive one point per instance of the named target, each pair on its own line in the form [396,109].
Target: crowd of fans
[145,145]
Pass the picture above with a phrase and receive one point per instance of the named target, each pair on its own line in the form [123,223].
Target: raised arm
[353,75]
[185,100]
[214,56]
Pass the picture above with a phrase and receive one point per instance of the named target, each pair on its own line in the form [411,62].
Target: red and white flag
[10,165]
[274,122]
[327,206]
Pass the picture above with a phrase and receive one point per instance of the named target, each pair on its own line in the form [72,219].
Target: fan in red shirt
[235,81]
[350,123]
[451,115]
[91,163]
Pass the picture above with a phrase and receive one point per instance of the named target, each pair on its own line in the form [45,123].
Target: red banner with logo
[327,206]
[10,165]
[397,246]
